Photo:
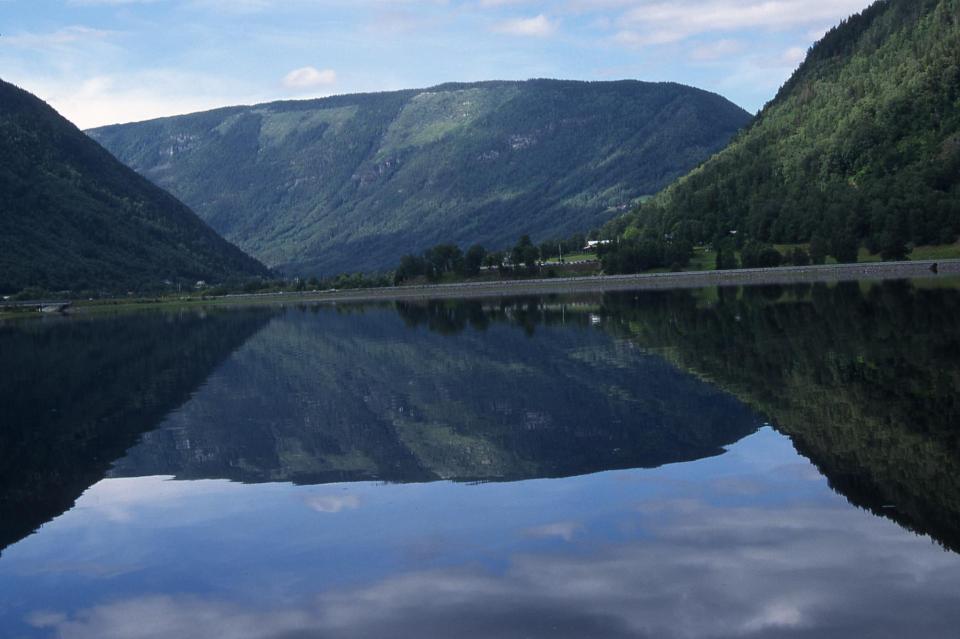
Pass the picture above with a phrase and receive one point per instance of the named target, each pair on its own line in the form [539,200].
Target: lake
[737,462]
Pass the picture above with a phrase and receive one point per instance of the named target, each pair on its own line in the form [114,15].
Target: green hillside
[861,145]
[73,217]
[355,182]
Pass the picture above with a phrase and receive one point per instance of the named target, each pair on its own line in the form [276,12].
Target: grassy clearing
[574,257]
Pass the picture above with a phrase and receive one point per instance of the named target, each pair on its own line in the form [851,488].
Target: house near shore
[593,245]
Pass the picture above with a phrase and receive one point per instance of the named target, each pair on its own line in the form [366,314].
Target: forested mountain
[355,182]
[73,217]
[862,144]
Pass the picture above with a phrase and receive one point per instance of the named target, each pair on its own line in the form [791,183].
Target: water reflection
[749,544]
[865,382]
[611,474]
[350,396]
[77,394]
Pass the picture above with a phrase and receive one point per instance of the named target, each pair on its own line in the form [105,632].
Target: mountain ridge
[353,182]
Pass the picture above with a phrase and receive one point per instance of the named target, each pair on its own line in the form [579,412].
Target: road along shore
[649,281]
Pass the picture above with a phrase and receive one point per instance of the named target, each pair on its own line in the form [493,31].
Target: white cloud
[538,26]
[235,6]
[66,36]
[309,78]
[98,99]
[716,50]
[644,23]
[332,503]
[794,55]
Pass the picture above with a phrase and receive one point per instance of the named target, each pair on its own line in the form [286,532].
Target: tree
[525,253]
[442,259]
[799,257]
[844,248]
[818,249]
[892,242]
[631,257]
[677,254]
[549,249]
[726,256]
[473,260]
[757,255]
[410,267]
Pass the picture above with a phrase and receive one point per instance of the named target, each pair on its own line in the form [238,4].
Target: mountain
[862,144]
[354,182]
[73,217]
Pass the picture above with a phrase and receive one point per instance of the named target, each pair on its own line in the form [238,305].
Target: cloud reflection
[332,503]
[565,530]
[702,571]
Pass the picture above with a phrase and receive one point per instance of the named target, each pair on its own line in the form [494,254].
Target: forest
[860,148]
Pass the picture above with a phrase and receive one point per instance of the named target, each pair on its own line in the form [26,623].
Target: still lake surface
[757,462]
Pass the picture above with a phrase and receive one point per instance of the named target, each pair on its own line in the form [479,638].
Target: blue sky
[106,61]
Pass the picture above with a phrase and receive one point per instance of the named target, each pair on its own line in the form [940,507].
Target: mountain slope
[862,142]
[354,182]
[73,217]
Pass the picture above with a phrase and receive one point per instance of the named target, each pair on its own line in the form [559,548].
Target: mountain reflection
[863,380]
[454,392]
[77,393]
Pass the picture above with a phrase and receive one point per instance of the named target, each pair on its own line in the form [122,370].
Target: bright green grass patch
[941,252]
[574,257]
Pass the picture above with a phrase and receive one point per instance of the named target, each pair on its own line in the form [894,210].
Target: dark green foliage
[438,261]
[473,260]
[642,254]
[727,256]
[844,248]
[818,249]
[410,267]
[798,257]
[862,145]
[73,218]
[757,255]
[355,182]
[524,253]
[443,259]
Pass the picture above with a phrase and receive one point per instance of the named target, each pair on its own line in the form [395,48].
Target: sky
[109,61]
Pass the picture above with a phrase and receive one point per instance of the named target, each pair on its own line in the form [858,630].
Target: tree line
[449,260]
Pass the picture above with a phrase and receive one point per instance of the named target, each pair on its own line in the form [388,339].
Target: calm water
[764,462]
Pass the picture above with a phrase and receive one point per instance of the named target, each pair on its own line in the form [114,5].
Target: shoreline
[655,281]
[877,271]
